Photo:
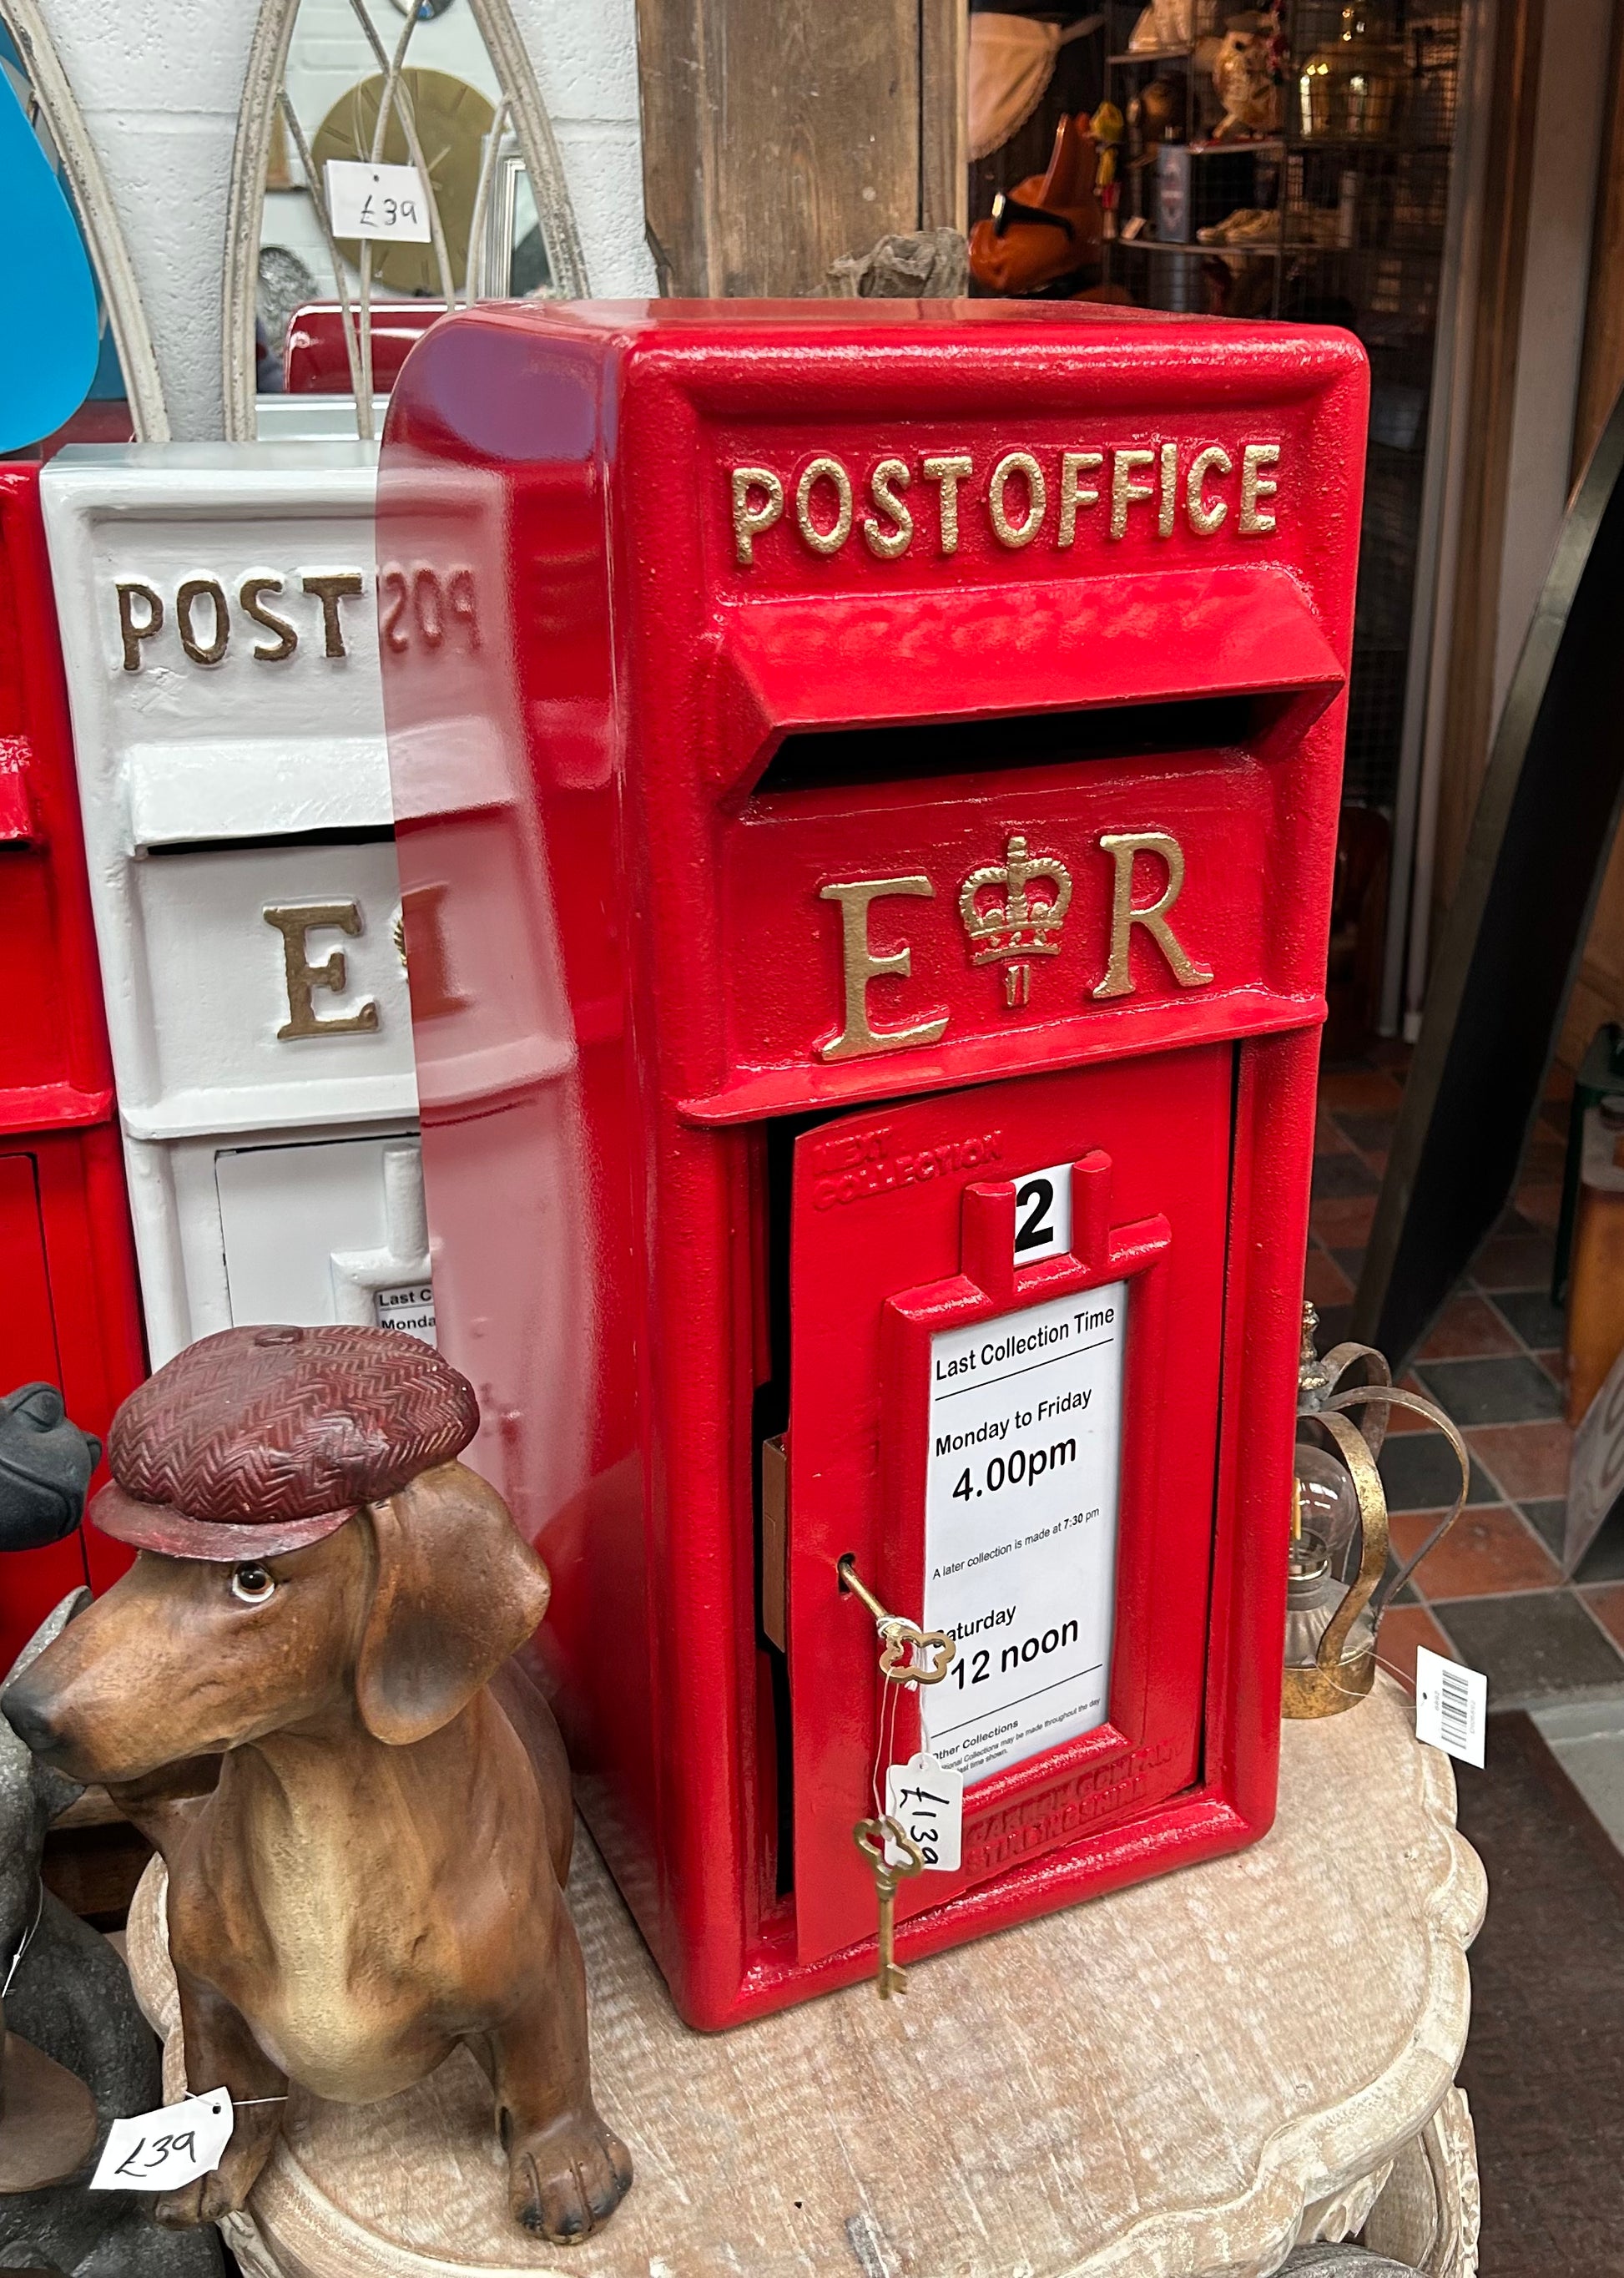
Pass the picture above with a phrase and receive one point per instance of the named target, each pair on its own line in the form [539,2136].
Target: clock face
[453,121]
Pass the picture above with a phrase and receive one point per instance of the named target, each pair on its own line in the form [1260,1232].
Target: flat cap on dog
[260,1440]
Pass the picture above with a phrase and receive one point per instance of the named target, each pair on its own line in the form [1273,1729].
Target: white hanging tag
[928,1801]
[1451,1706]
[377,201]
[160,2150]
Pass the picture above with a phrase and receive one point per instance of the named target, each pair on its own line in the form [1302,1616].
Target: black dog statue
[68,1994]
[45,1468]
[71,1997]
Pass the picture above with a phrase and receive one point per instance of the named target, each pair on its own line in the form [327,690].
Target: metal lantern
[1341,1577]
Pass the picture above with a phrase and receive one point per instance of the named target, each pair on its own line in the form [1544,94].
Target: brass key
[871,1837]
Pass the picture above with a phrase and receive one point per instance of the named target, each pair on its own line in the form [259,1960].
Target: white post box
[219,621]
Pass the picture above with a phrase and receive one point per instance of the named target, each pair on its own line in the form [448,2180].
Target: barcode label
[1451,1706]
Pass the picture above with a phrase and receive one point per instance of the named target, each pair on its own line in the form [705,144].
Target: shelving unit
[1382,197]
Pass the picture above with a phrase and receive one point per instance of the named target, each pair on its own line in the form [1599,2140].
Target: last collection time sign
[1020,1529]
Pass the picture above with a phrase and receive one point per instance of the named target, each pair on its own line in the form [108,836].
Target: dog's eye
[253,1584]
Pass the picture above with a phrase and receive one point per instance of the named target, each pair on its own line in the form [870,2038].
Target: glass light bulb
[1329,1507]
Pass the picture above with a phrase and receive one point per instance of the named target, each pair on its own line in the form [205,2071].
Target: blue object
[49,343]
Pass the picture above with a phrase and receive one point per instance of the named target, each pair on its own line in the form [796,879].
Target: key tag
[160,2150]
[927,1801]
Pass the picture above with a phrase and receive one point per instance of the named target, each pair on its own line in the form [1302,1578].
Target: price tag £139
[160,2150]
[377,201]
[928,1801]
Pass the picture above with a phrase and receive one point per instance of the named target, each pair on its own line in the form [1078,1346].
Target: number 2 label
[1044,1214]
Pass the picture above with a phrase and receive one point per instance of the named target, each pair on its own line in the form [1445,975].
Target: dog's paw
[205,2199]
[564,2180]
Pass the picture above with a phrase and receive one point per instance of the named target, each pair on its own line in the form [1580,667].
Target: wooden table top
[1160,2082]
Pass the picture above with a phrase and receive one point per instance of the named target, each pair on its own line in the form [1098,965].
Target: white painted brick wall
[160,82]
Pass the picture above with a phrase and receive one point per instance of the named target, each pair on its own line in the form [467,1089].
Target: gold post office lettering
[1012,911]
[1055,499]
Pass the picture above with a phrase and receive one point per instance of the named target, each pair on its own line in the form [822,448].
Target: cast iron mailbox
[903,745]
[70,1312]
[220,631]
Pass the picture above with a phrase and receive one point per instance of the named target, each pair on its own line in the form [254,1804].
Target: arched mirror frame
[98,218]
[262,89]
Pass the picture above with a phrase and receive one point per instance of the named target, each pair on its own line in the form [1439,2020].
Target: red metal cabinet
[868,782]
[66,1259]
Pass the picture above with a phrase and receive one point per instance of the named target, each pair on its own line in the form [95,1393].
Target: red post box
[71,1314]
[868,781]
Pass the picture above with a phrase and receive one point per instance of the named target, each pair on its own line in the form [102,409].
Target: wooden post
[776,139]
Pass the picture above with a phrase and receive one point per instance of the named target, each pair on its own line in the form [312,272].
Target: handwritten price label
[929,1801]
[160,2150]
[377,201]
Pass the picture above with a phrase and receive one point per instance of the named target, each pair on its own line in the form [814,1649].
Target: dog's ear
[457,1590]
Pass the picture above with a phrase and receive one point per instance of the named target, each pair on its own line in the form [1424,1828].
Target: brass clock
[453,121]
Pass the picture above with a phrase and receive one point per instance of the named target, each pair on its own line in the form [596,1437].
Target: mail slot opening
[841,757]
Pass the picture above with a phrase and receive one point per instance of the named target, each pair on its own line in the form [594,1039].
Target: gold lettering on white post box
[1125,847]
[133,630]
[251,593]
[1018,926]
[194,591]
[860,965]
[330,587]
[295,922]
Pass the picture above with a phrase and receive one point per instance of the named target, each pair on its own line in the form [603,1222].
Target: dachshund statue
[302,1691]
[70,2012]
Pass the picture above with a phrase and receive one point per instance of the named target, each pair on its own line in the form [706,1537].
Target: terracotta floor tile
[1402,1631]
[1541,1203]
[1323,1281]
[1605,1601]
[1359,1088]
[1487,1553]
[1526,1459]
[1467,1326]
[1406,1419]
[1328,1137]
[1544,1159]
[1513,1261]
[1555,1365]
[1343,1221]
[1369,1130]
[1336,1176]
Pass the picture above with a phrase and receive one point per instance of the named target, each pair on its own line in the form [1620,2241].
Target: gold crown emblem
[1021,924]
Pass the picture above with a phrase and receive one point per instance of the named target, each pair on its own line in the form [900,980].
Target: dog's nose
[28,1718]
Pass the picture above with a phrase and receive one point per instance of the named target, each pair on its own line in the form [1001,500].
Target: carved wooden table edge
[1394,2159]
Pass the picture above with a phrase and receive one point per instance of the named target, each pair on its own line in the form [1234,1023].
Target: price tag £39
[160,2150]
[929,1802]
[377,201]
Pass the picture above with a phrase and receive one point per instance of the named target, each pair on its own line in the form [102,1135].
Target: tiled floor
[1492,1594]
